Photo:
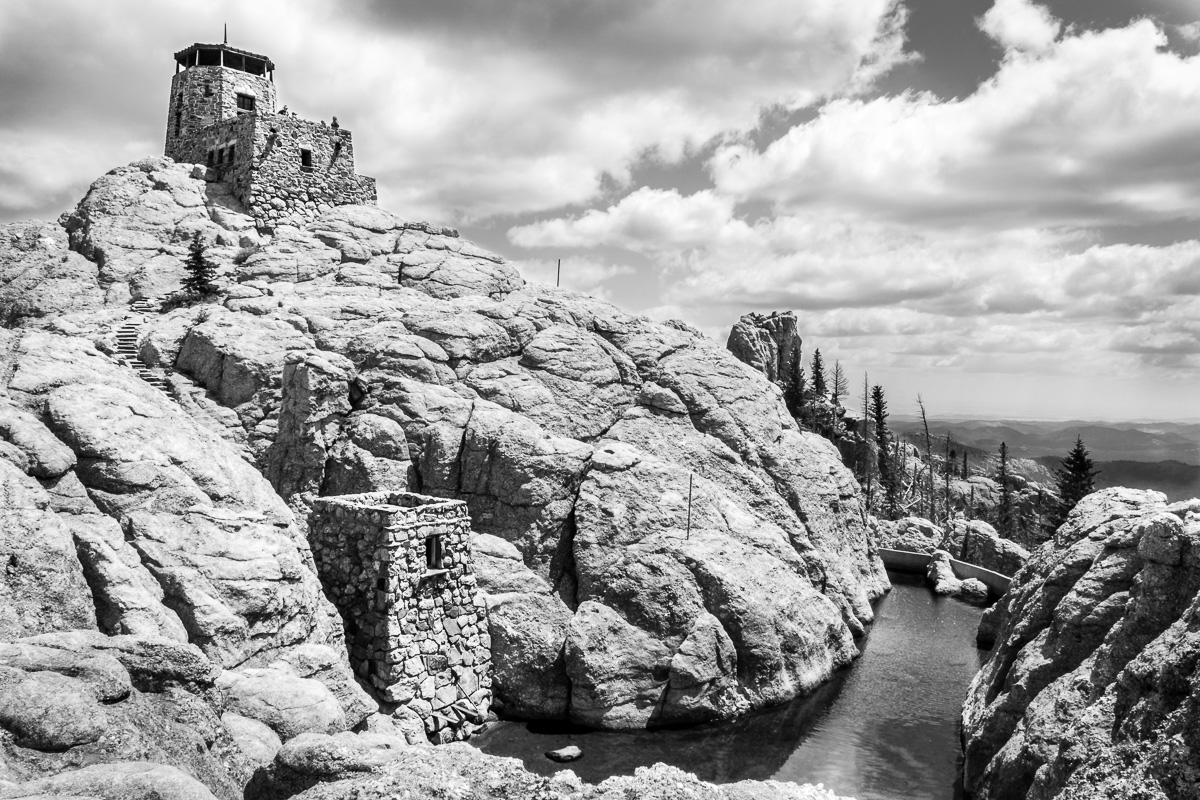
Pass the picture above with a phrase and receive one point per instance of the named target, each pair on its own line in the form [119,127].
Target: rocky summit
[655,540]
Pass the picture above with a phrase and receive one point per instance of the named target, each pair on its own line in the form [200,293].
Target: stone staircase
[192,397]
[127,344]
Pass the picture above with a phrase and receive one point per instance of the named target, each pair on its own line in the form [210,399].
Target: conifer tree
[200,271]
[887,471]
[1075,479]
[1004,512]
[819,389]
[865,442]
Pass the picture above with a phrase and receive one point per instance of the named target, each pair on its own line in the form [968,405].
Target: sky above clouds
[993,204]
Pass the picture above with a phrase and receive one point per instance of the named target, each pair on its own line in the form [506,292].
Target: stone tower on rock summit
[284,169]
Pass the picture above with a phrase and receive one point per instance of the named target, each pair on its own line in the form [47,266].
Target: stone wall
[283,191]
[203,96]
[418,635]
[238,133]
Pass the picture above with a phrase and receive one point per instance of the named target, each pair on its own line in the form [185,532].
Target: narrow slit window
[245,103]
[433,552]
[306,160]
[210,158]
[231,152]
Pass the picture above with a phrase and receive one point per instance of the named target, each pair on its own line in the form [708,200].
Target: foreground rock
[1090,690]
[367,352]
[458,770]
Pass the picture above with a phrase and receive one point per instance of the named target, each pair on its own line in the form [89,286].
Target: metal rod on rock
[558,276]
[689,517]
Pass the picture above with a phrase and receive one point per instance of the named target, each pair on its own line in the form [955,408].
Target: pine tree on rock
[201,273]
[1075,479]
[1004,513]
[820,391]
[887,471]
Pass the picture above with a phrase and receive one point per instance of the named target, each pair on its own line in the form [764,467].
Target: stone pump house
[398,567]
[283,169]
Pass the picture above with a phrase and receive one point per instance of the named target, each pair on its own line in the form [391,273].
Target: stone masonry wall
[418,636]
[208,95]
[266,173]
[238,132]
[283,192]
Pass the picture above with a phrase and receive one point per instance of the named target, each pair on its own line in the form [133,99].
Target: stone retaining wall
[417,633]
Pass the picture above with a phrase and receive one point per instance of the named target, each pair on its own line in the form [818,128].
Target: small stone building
[284,169]
[398,568]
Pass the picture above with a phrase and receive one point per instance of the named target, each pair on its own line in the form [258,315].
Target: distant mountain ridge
[1116,441]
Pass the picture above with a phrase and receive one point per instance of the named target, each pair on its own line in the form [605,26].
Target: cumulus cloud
[1019,25]
[461,109]
[644,220]
[1104,128]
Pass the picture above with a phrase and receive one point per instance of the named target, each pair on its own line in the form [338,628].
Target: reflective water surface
[886,728]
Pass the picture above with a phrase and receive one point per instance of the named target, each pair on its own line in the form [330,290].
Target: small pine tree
[819,389]
[200,271]
[1075,479]
[1004,512]
[887,471]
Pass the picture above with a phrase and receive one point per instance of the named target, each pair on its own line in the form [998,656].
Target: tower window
[232,150]
[210,158]
[433,552]
[208,90]
[306,160]
[245,102]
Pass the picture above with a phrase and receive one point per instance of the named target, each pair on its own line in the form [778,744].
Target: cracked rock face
[366,353]
[1091,689]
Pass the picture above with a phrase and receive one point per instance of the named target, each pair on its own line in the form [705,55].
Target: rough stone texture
[569,428]
[42,586]
[284,702]
[40,277]
[76,698]
[770,344]
[1091,689]
[184,497]
[973,541]
[979,499]
[977,542]
[127,781]
[255,739]
[528,630]
[913,534]
[399,568]
[460,771]
[941,575]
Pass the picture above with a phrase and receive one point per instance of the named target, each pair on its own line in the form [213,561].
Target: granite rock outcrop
[369,353]
[1091,687]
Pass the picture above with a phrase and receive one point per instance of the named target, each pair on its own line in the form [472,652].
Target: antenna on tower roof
[226,33]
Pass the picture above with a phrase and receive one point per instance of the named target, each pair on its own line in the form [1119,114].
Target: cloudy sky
[992,204]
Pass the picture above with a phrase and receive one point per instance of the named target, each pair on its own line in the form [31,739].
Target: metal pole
[558,277]
[689,516]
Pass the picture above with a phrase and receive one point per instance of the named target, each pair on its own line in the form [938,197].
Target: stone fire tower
[284,169]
